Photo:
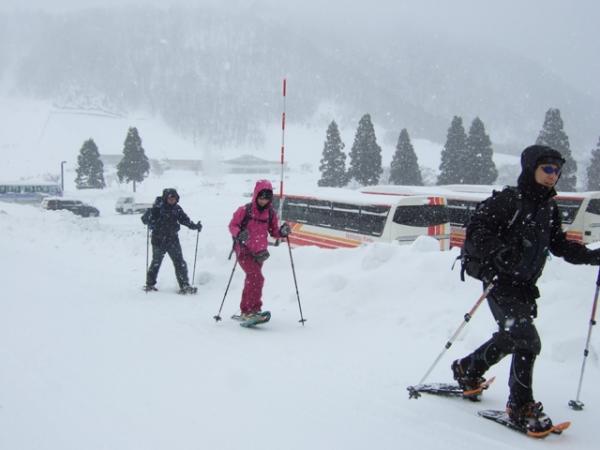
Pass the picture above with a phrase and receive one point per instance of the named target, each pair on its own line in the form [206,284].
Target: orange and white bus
[580,211]
[338,218]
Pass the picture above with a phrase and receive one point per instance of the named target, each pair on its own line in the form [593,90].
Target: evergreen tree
[553,135]
[593,170]
[333,163]
[134,166]
[365,155]
[480,168]
[454,155]
[405,167]
[90,170]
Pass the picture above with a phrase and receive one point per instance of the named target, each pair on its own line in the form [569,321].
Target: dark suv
[75,206]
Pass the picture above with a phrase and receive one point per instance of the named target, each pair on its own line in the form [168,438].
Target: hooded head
[531,158]
[168,192]
[264,189]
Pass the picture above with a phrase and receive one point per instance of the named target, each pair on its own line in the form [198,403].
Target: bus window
[372,219]
[295,210]
[421,215]
[459,211]
[593,206]
[319,213]
[2,189]
[345,217]
[568,209]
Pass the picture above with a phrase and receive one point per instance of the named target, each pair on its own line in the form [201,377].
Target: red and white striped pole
[282,150]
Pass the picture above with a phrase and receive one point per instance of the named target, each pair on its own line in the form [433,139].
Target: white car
[127,205]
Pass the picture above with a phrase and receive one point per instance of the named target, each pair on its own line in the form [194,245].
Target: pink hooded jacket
[258,226]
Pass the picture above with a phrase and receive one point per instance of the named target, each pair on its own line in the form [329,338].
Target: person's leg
[253,284]
[176,255]
[158,253]
[516,332]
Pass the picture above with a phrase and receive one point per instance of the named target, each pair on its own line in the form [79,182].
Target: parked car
[127,205]
[75,206]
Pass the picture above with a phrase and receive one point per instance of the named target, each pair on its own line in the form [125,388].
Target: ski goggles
[551,170]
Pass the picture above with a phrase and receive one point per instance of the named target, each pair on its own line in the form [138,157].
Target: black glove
[199,226]
[595,257]
[285,230]
[242,236]
[507,258]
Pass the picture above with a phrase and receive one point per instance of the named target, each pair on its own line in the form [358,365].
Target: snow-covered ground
[89,361]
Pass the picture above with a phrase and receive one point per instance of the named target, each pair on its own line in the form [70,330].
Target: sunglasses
[551,170]
[266,195]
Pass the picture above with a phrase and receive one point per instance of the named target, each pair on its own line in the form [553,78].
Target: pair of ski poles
[576,404]
[217,317]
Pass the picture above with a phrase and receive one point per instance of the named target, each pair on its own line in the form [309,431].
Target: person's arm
[571,251]
[235,225]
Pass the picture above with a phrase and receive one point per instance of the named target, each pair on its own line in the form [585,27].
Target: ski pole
[218,316]
[302,319]
[147,249]
[577,404]
[412,392]
[195,257]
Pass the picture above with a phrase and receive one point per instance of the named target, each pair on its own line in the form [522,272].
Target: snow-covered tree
[134,166]
[365,155]
[90,170]
[405,166]
[553,135]
[480,167]
[454,155]
[593,170]
[333,163]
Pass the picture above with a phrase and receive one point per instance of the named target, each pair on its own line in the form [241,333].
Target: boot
[530,415]
[467,381]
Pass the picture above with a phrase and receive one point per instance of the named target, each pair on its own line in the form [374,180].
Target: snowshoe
[253,319]
[186,290]
[450,390]
[533,428]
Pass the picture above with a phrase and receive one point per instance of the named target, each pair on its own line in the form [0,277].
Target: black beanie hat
[535,155]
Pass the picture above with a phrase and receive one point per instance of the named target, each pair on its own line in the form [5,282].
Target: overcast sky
[561,34]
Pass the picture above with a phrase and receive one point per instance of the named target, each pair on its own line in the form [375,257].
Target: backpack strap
[248,216]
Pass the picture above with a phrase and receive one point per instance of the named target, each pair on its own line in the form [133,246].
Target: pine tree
[405,166]
[90,170]
[593,170]
[454,155]
[134,166]
[480,167]
[365,155]
[333,163]
[553,135]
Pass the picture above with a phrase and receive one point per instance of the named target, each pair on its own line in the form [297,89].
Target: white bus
[338,218]
[580,211]
[26,191]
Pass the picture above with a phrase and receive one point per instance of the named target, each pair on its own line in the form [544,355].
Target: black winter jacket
[164,219]
[535,231]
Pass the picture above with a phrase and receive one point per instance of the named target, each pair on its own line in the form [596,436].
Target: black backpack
[472,262]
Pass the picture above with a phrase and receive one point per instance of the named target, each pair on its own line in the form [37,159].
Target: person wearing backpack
[508,240]
[250,226]
[163,219]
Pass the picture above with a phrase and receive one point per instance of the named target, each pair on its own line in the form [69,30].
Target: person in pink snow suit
[250,226]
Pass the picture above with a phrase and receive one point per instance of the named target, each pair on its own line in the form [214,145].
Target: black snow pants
[514,311]
[162,244]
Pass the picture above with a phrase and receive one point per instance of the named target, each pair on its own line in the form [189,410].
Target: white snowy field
[89,361]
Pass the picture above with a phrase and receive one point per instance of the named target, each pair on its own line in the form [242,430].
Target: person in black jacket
[163,219]
[517,228]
